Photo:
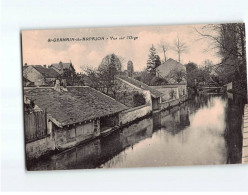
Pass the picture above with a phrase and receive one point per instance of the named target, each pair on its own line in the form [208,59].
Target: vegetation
[149,79]
[179,47]
[178,75]
[104,77]
[165,47]
[139,100]
[130,68]
[229,41]
[153,61]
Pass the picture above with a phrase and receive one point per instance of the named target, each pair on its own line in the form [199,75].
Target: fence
[35,126]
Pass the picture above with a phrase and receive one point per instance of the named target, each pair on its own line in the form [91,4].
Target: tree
[191,66]
[104,77]
[180,47]
[229,42]
[153,61]
[192,74]
[177,74]
[157,61]
[138,99]
[130,68]
[165,47]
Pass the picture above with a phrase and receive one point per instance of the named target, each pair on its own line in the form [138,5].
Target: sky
[38,50]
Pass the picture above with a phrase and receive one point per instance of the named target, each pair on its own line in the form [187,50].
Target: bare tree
[180,47]
[165,47]
[228,40]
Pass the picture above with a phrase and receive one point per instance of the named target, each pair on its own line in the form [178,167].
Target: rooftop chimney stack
[44,66]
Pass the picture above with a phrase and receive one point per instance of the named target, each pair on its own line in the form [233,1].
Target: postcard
[129,97]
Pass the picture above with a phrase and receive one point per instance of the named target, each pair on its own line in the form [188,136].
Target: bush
[138,99]
[158,81]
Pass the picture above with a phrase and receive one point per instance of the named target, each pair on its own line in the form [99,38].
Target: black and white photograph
[130,97]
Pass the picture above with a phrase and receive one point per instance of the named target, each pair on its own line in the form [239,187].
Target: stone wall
[131,114]
[71,136]
[126,91]
[166,90]
[39,147]
[179,91]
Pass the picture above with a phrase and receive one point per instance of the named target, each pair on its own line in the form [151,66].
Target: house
[27,83]
[155,95]
[40,75]
[65,69]
[171,70]
[75,115]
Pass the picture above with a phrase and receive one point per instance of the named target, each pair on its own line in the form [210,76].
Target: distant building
[65,69]
[166,70]
[40,75]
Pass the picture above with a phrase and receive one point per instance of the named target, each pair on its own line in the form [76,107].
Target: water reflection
[205,130]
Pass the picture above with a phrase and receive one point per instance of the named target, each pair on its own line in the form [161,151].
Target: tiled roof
[76,105]
[46,72]
[165,68]
[61,66]
[142,85]
[25,79]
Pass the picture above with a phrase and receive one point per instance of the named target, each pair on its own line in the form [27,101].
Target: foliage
[158,81]
[190,67]
[153,61]
[104,77]
[229,41]
[177,74]
[130,69]
[139,99]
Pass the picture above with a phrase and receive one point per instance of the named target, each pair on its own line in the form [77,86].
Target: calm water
[204,130]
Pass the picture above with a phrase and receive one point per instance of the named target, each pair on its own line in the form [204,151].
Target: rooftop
[165,68]
[61,65]
[46,72]
[142,85]
[76,105]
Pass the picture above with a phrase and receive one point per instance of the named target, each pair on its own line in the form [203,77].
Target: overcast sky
[38,51]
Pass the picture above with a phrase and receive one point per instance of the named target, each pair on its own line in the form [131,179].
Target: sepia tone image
[125,97]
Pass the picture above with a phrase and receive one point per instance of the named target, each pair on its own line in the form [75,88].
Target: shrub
[138,99]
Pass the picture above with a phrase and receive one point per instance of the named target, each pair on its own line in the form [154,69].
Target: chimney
[25,64]
[44,66]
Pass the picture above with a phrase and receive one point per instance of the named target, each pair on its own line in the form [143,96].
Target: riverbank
[167,138]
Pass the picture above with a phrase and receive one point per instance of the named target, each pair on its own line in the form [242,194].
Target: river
[205,130]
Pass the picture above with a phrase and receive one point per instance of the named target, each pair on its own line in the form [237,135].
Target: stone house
[65,69]
[27,83]
[166,69]
[75,115]
[40,75]
[154,96]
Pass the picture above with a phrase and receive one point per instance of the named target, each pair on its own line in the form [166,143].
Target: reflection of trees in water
[233,133]
[99,151]
[173,121]
[110,151]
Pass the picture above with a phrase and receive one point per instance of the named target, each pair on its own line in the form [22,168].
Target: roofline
[155,96]
[61,125]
